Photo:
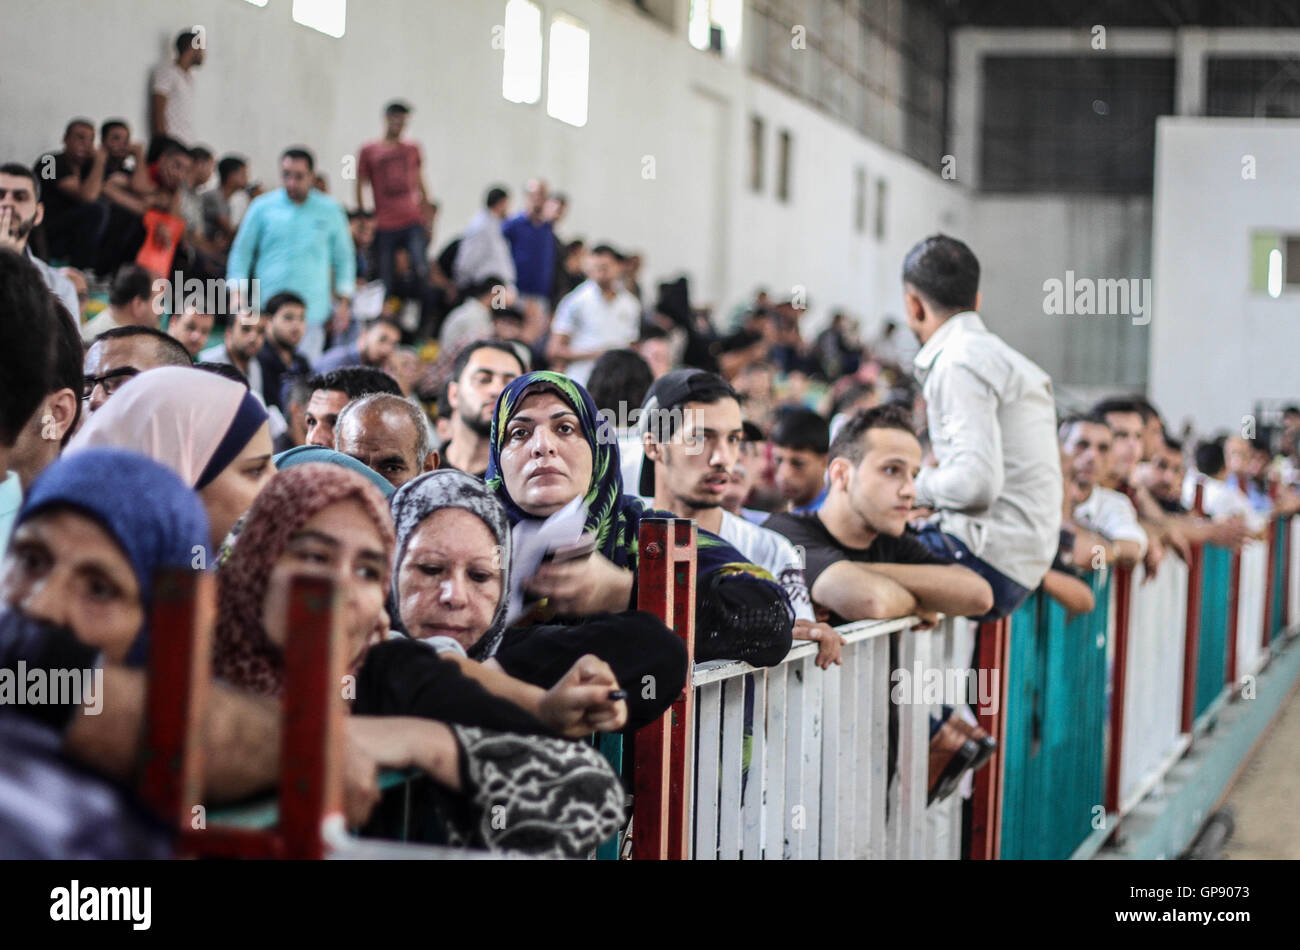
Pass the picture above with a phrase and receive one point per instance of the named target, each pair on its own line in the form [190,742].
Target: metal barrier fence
[793,762]
[1101,706]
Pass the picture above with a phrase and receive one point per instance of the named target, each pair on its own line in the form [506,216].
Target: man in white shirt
[1219,499]
[996,490]
[1087,442]
[484,251]
[692,430]
[173,90]
[598,315]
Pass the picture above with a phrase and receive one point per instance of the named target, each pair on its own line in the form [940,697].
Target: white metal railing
[1293,574]
[1252,583]
[1153,739]
[815,781]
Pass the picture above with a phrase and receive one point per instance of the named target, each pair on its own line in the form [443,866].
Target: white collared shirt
[992,422]
[1221,500]
[592,322]
[1112,516]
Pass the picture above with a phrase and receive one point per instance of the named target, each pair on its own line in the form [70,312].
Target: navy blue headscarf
[153,516]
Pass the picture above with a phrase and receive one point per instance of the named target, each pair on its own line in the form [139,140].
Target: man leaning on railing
[861,565]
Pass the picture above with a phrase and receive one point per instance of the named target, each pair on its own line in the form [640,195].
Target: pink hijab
[243,655]
[174,415]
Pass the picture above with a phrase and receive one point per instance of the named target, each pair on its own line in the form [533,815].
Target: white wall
[1216,346]
[269,82]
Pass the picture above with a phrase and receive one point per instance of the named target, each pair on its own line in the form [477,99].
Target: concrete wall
[1217,346]
[269,82]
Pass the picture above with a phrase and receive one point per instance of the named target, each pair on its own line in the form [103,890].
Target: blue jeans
[416,243]
[1007,594]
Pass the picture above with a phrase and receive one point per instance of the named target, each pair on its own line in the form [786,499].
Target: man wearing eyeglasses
[122,353]
[296,239]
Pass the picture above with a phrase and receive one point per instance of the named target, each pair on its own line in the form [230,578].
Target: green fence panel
[1211,662]
[1055,726]
[1280,551]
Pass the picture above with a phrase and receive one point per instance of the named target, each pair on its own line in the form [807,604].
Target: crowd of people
[466,442]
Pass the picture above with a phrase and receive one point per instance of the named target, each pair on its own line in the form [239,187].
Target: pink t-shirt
[394,173]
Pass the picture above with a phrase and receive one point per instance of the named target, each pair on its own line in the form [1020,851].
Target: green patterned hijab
[613,518]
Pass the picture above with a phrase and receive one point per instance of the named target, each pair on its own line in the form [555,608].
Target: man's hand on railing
[830,645]
[1230,533]
[929,619]
[583,702]
[1173,537]
[1155,553]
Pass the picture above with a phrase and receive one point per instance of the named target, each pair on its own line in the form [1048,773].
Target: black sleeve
[742,617]
[905,549]
[815,553]
[38,646]
[648,659]
[408,678]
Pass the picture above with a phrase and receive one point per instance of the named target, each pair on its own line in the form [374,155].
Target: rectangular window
[1274,263]
[783,166]
[882,195]
[755,154]
[567,78]
[521,71]
[328,16]
[860,200]
[715,25]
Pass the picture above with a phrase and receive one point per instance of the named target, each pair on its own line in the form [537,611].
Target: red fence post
[311,784]
[180,662]
[1123,605]
[661,777]
[1234,591]
[1192,632]
[986,796]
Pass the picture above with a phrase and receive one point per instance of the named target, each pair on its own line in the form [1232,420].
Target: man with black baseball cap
[692,431]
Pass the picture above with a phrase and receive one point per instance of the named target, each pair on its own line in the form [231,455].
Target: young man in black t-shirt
[873,464]
[860,565]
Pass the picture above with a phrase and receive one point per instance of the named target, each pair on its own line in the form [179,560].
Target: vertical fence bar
[1123,604]
[986,828]
[871,756]
[661,781]
[708,758]
[311,780]
[755,783]
[795,818]
[774,844]
[180,663]
[733,752]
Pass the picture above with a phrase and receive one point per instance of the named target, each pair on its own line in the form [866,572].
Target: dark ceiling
[1120,13]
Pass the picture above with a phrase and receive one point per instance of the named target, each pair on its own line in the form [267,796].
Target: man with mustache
[481,371]
[21,210]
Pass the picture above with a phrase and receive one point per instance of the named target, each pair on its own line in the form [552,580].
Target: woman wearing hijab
[489,759]
[91,533]
[450,581]
[549,446]
[209,430]
[78,578]
[302,454]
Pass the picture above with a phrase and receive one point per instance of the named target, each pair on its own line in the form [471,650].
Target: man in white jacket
[996,492]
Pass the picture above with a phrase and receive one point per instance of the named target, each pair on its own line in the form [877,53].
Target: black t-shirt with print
[821,550]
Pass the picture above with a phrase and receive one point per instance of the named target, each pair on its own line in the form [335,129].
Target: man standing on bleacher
[996,491]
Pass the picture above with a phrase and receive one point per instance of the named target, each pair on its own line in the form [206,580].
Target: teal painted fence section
[1057,699]
[1211,663]
[611,747]
[1280,551]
